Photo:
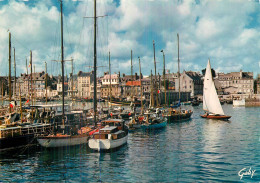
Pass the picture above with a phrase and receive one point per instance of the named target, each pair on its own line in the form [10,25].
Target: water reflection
[199,150]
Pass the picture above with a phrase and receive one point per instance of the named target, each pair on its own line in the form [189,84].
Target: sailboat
[211,102]
[65,134]
[113,133]
[16,131]
[174,115]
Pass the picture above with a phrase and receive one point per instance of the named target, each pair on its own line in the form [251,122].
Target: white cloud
[225,31]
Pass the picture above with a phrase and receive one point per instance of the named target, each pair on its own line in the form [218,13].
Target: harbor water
[198,150]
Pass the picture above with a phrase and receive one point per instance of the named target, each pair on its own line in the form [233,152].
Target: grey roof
[193,75]
[85,74]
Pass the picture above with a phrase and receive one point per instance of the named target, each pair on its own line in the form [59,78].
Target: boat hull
[106,144]
[178,117]
[134,127]
[62,141]
[154,126]
[7,144]
[18,137]
[221,117]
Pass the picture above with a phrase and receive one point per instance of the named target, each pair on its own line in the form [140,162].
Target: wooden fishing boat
[61,140]
[154,123]
[178,114]
[68,131]
[211,103]
[174,115]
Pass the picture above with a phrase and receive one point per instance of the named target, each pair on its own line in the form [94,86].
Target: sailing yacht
[211,103]
[67,132]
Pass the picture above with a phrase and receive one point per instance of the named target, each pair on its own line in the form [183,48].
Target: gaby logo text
[244,172]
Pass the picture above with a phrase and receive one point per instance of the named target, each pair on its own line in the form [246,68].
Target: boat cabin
[114,122]
[113,129]
[109,132]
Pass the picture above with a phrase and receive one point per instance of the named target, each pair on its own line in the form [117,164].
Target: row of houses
[81,84]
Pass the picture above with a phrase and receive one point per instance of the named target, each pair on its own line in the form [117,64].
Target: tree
[212,72]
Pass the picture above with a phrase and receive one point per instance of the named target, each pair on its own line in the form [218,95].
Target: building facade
[236,82]
[85,80]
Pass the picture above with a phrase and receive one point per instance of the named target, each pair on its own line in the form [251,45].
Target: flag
[158,91]
[167,71]
[29,65]
[27,101]
[12,104]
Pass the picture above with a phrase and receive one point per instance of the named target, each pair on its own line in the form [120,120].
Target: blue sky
[226,31]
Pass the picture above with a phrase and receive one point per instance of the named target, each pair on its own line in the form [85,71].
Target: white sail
[210,98]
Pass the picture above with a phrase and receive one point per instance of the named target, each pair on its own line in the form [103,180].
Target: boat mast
[27,78]
[9,78]
[34,85]
[14,75]
[46,82]
[31,77]
[72,78]
[62,63]
[179,69]
[141,89]
[165,98]
[95,64]
[156,93]
[110,85]
[21,110]
[151,95]
[2,92]
[132,80]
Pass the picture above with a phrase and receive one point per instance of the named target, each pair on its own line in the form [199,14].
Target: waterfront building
[258,84]
[115,85]
[236,82]
[75,85]
[35,86]
[99,84]
[85,80]
[4,84]
[190,82]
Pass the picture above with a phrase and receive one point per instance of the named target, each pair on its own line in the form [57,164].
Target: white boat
[113,135]
[211,103]
[238,103]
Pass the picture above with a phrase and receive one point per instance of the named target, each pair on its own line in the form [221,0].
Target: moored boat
[154,123]
[20,135]
[153,120]
[174,115]
[237,103]
[178,114]
[195,103]
[61,140]
[67,131]
[113,135]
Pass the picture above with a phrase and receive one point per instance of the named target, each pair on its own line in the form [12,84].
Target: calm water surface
[198,150]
